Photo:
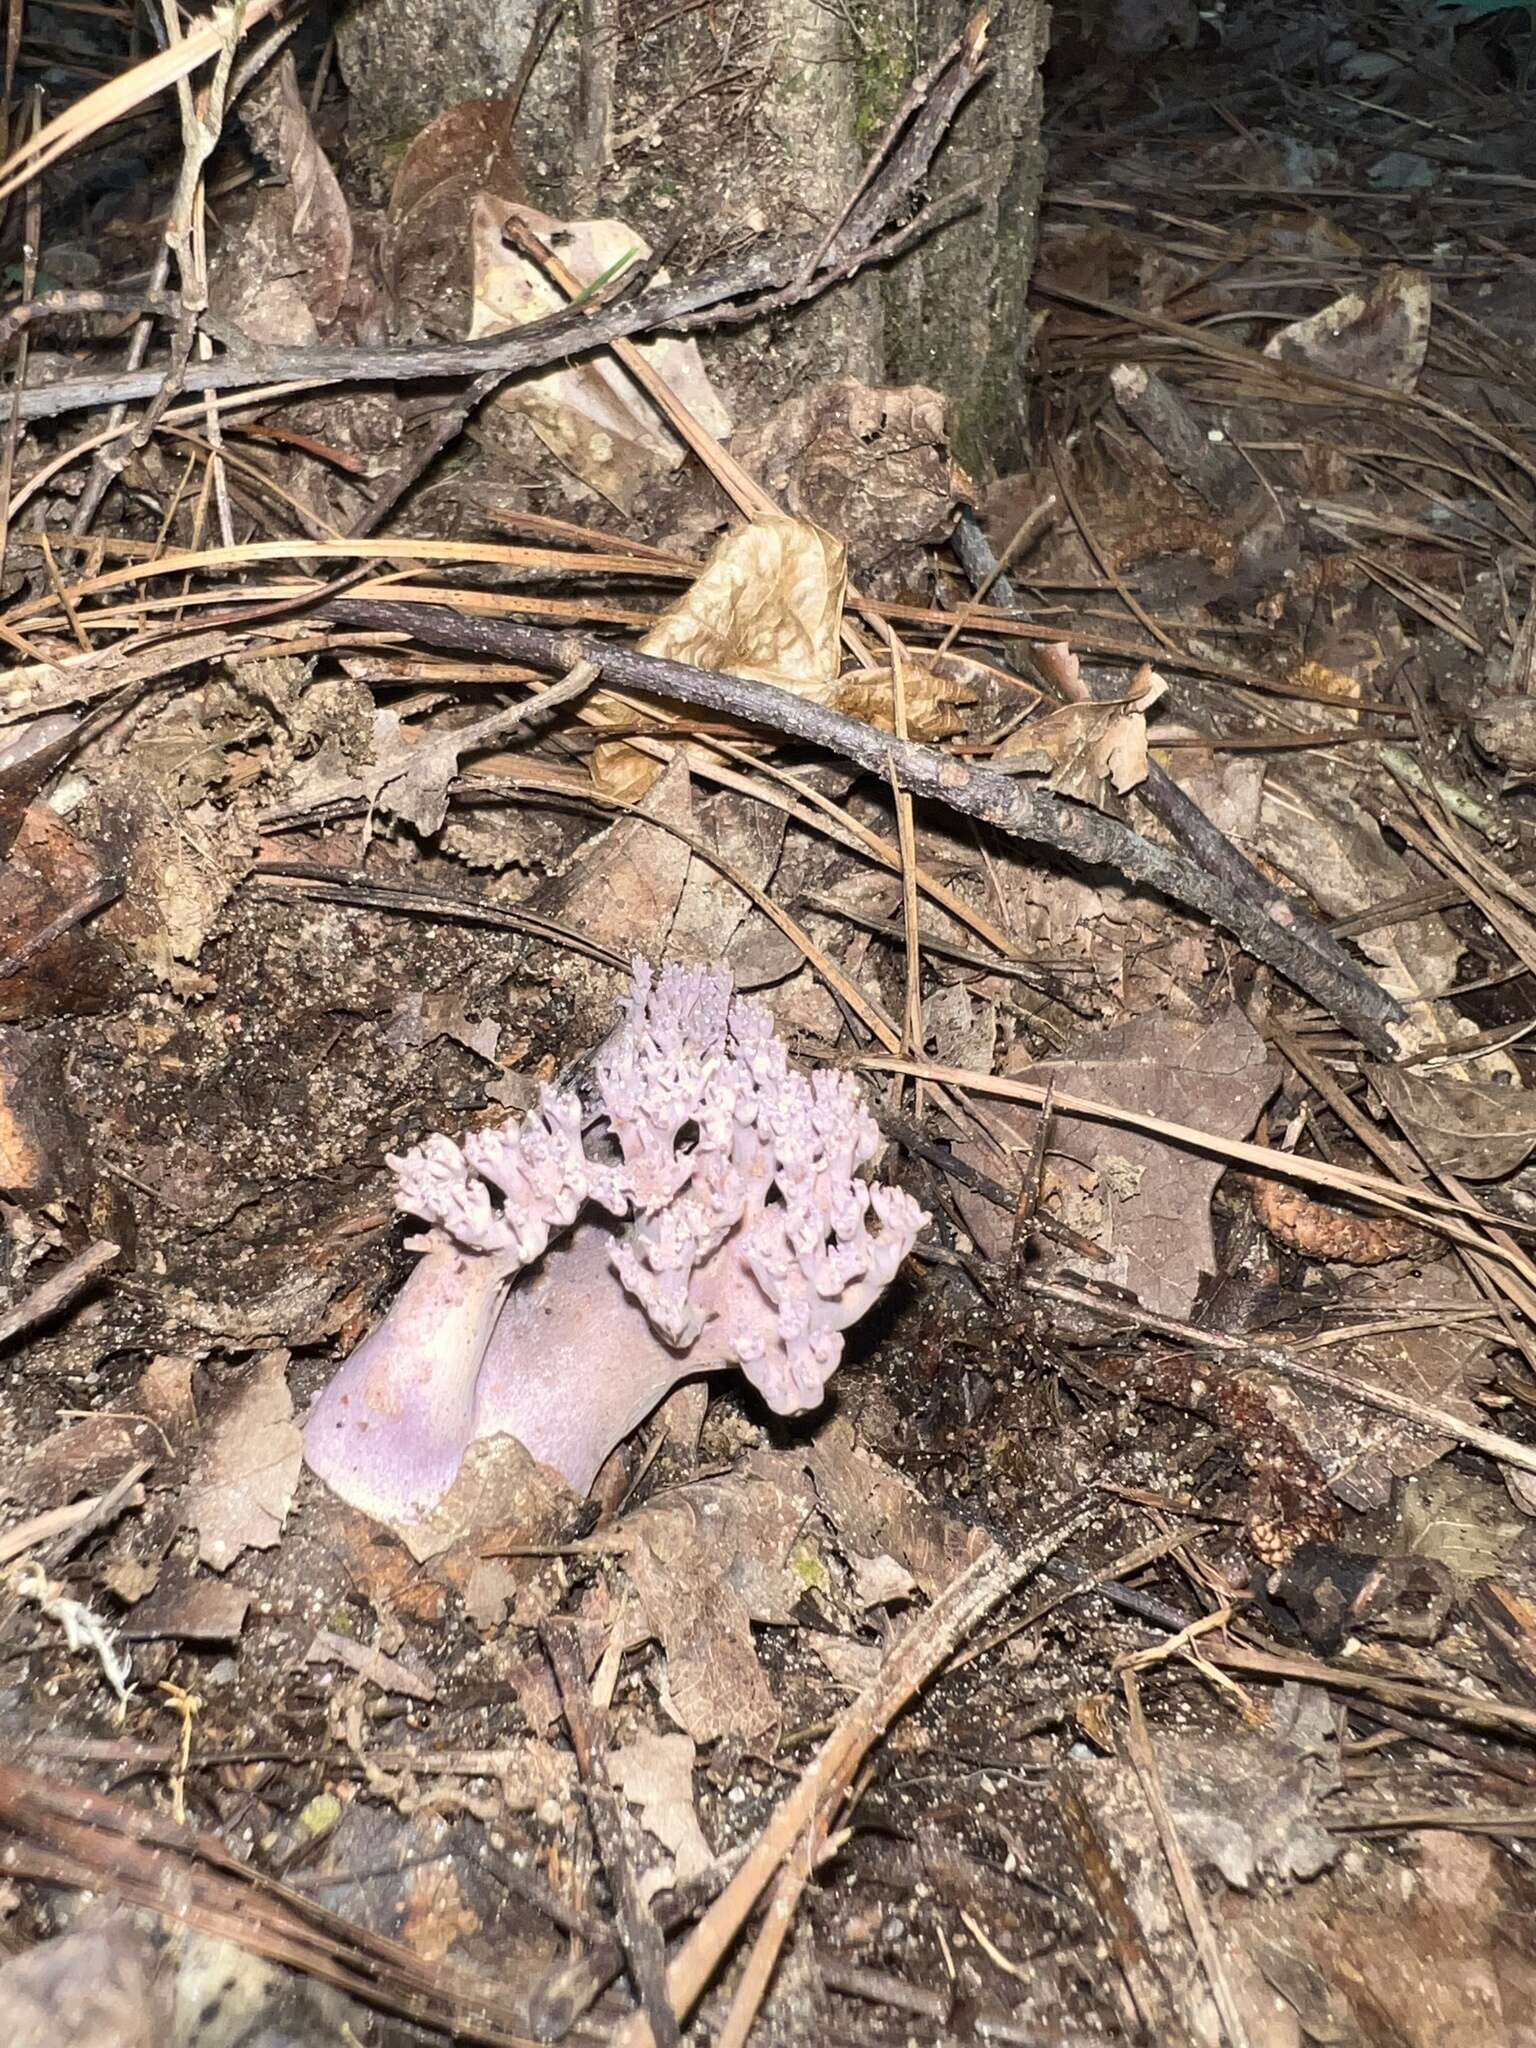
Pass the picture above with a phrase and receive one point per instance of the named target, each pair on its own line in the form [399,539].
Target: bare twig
[58,1290]
[1347,993]
[644,1948]
[692,303]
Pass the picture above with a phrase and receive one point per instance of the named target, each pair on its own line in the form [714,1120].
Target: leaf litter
[290,889]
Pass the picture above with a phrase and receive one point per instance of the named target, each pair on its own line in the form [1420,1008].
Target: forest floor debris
[409,622]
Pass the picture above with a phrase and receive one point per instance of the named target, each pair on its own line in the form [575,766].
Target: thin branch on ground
[1036,816]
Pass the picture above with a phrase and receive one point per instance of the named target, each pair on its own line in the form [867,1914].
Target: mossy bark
[955,312]
[703,132]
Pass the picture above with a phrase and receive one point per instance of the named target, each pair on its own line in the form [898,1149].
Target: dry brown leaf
[876,1512]
[130,1579]
[1438,1957]
[768,605]
[592,416]
[707,1560]
[188,1609]
[626,888]
[1381,339]
[180,869]
[101,1986]
[280,279]
[407,776]
[1319,825]
[655,1773]
[1079,748]
[937,687]
[48,870]
[714,1684]
[1146,1203]
[247,1468]
[165,1394]
[853,1664]
[1474,1129]
[501,1496]
[467,152]
[868,463]
[84,1457]
[1361,1449]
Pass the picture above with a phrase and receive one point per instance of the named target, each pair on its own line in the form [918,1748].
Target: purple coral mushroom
[719,1219]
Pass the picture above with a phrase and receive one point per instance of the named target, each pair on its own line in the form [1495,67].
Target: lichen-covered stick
[712,1215]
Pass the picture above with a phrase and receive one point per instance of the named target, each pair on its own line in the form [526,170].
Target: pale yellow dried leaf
[767,605]
[591,415]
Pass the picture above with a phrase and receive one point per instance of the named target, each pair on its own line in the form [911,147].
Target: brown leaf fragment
[868,463]
[937,692]
[61,964]
[877,1512]
[1318,1231]
[469,150]
[767,604]
[243,1483]
[592,415]
[853,1664]
[44,1150]
[1145,1202]
[501,1497]
[131,1579]
[388,1673]
[624,890]
[1360,1448]
[655,1773]
[1079,748]
[165,1394]
[1474,1129]
[1443,1959]
[84,1457]
[1380,339]
[714,1684]
[190,1609]
[281,279]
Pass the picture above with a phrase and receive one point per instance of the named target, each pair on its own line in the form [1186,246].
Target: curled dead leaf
[937,686]
[767,604]
[591,415]
[1081,747]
